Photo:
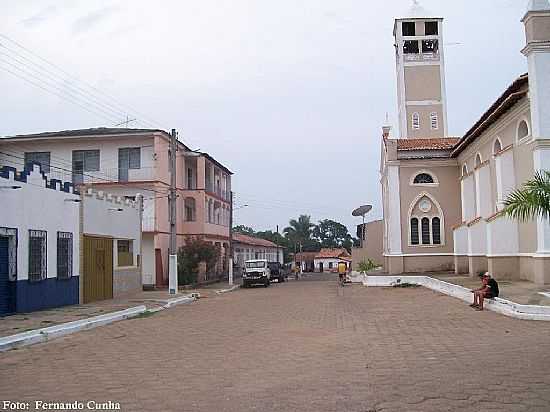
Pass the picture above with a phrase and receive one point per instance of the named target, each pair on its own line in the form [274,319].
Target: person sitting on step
[488,290]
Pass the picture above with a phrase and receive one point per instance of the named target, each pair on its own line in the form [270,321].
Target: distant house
[327,259]
[249,247]
[306,261]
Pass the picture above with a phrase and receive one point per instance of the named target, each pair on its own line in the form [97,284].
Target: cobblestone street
[298,346]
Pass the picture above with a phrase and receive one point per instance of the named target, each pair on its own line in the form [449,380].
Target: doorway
[5,284]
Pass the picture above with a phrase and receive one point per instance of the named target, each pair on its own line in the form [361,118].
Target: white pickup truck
[256,272]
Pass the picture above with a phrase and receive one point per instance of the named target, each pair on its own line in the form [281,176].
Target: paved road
[298,346]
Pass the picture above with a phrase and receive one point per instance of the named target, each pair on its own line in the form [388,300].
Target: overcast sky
[290,95]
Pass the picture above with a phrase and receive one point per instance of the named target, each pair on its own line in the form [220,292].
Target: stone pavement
[518,291]
[298,346]
[23,322]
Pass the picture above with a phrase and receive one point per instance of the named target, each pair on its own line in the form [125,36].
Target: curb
[231,289]
[499,305]
[173,302]
[52,332]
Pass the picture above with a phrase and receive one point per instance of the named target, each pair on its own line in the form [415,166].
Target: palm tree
[532,200]
[299,231]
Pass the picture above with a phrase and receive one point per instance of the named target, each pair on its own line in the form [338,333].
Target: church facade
[443,196]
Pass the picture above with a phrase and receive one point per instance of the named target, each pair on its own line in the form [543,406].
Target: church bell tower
[420,75]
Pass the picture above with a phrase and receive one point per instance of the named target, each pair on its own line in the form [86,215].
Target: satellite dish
[361,211]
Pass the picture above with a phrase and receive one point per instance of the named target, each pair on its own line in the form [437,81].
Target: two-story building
[126,162]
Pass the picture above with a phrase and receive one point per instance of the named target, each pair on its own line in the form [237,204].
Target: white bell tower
[420,61]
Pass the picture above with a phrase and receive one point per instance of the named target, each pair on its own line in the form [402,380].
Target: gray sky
[290,95]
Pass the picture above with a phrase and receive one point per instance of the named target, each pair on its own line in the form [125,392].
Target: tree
[194,251]
[532,200]
[332,234]
[244,230]
[299,233]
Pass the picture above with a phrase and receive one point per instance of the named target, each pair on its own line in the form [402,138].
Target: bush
[194,251]
[366,266]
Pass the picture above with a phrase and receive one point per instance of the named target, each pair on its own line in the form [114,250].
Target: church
[443,196]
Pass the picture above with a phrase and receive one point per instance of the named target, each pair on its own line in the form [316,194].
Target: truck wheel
[281,279]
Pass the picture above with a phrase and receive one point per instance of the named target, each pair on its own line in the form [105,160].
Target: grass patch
[146,314]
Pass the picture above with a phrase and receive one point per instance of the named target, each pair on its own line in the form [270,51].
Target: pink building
[126,162]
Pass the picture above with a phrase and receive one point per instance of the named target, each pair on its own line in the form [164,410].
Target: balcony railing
[418,57]
[103,176]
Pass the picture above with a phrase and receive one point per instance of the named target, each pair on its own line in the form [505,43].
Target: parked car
[277,271]
[256,272]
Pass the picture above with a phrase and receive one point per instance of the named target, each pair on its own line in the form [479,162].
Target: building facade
[60,247]
[127,162]
[248,247]
[443,197]
[326,260]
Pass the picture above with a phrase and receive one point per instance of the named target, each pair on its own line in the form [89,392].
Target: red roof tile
[253,241]
[332,253]
[438,143]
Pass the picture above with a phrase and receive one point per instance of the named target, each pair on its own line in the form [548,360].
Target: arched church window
[436,231]
[414,231]
[497,146]
[423,178]
[464,170]
[416,121]
[425,231]
[434,121]
[479,161]
[523,130]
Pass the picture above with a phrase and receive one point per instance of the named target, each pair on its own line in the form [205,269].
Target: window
[423,178]
[125,252]
[409,28]
[84,161]
[42,158]
[415,121]
[523,130]
[434,121]
[129,158]
[497,146]
[479,161]
[430,46]
[464,170]
[37,255]
[431,28]
[190,209]
[414,231]
[411,47]
[425,231]
[436,231]
[330,265]
[190,181]
[9,235]
[64,255]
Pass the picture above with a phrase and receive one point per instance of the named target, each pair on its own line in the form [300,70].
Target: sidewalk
[519,291]
[24,322]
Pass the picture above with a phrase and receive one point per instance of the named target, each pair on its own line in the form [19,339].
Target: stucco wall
[423,83]
[446,193]
[372,246]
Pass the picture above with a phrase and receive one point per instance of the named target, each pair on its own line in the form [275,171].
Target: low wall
[126,280]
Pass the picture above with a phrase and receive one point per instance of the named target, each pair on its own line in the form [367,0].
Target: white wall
[108,216]
[35,207]
[326,263]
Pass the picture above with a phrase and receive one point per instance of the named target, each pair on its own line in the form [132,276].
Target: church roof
[515,92]
[437,143]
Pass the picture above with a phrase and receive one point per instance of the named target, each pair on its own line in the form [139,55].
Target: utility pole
[231,239]
[173,258]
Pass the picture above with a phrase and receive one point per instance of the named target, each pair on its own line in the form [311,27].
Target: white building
[58,247]
[249,247]
[327,259]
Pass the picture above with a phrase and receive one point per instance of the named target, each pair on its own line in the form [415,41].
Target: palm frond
[532,200]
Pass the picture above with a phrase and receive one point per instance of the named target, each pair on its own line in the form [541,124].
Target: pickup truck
[277,271]
[256,272]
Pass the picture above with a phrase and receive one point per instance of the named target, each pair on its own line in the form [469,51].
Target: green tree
[299,232]
[332,234]
[245,230]
[194,251]
[532,200]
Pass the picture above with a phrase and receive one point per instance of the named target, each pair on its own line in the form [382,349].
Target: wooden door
[98,269]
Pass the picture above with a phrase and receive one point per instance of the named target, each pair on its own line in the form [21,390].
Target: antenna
[125,122]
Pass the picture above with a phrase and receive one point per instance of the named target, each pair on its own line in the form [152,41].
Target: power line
[90,86]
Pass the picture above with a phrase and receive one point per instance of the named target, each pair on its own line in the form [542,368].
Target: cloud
[40,17]
[91,20]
